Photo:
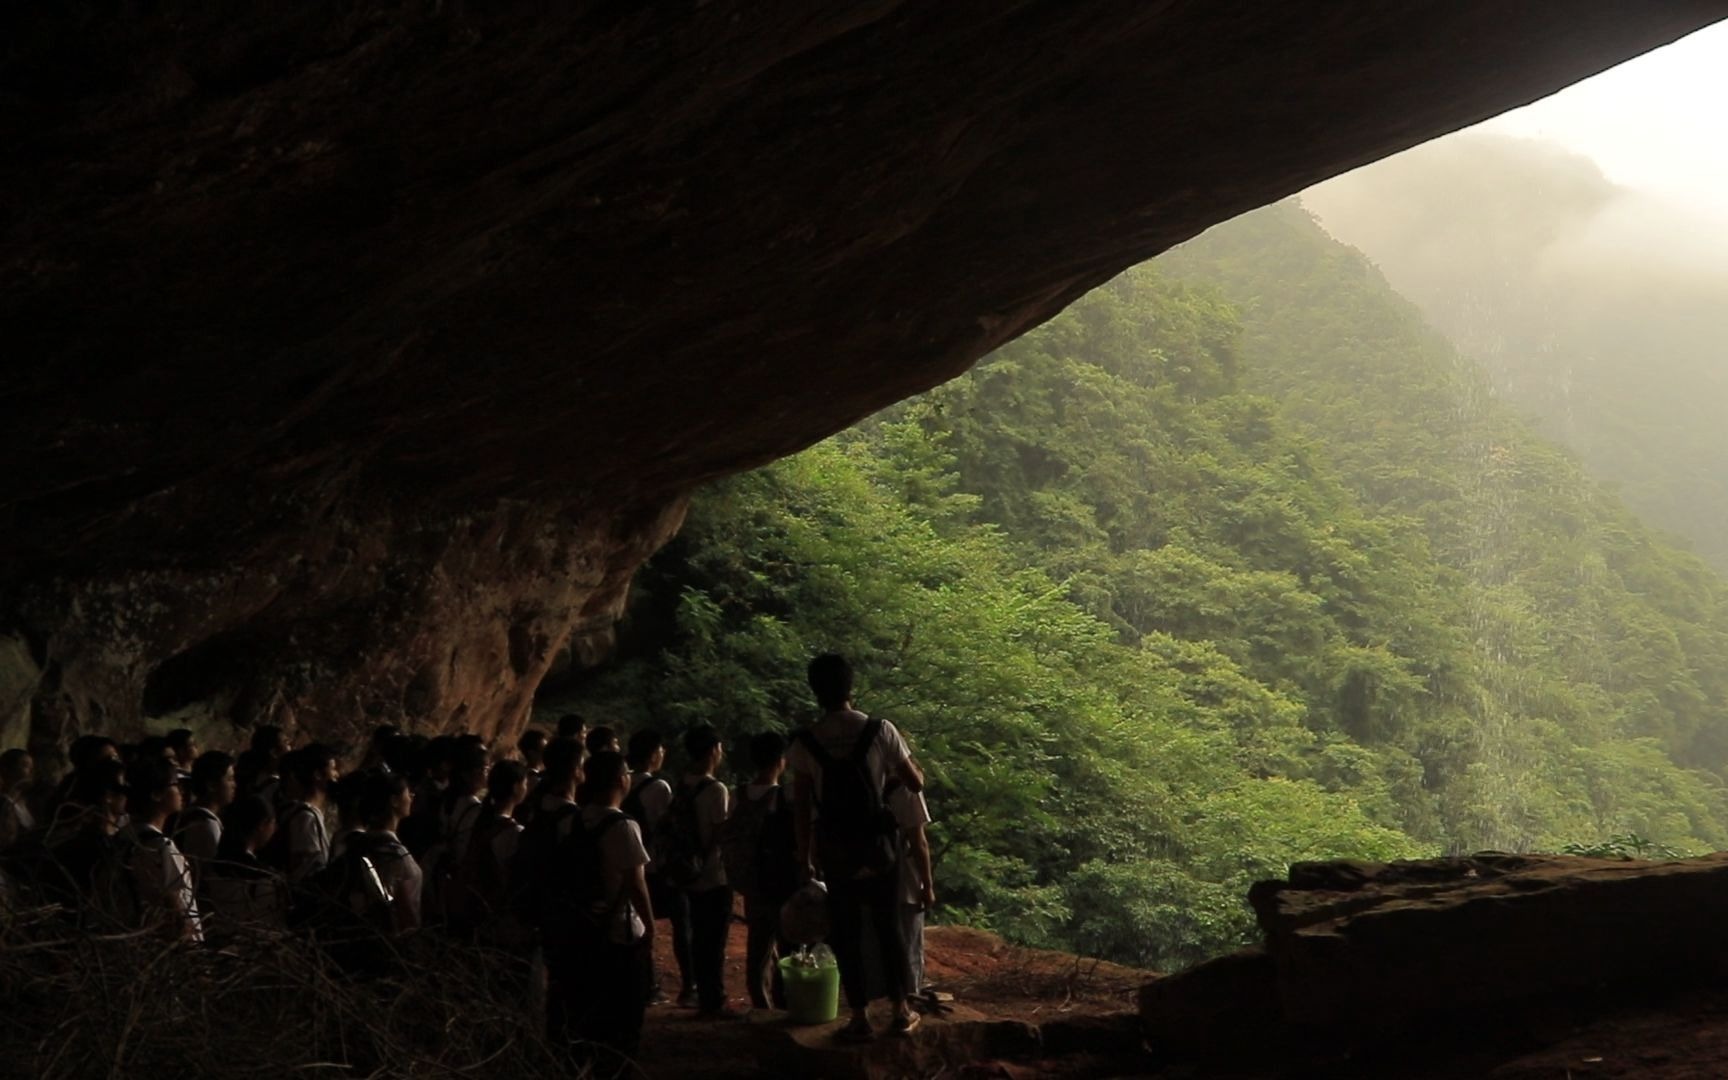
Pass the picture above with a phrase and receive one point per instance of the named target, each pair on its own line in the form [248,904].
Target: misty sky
[1658,122]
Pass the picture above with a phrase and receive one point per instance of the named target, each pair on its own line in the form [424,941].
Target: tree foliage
[1234,564]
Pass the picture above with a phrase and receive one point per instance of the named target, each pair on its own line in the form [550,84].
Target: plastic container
[812,993]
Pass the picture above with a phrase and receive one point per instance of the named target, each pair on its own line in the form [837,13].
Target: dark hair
[563,759]
[643,746]
[239,822]
[346,794]
[265,738]
[571,726]
[304,764]
[609,768]
[152,746]
[147,778]
[700,740]
[97,780]
[85,749]
[532,742]
[179,738]
[12,762]
[831,680]
[766,749]
[378,797]
[207,772]
[467,758]
[502,783]
[600,738]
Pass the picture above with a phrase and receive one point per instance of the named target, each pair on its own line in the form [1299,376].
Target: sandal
[907,1023]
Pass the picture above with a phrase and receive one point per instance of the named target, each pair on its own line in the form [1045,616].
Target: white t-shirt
[838,734]
[910,812]
[621,852]
[458,821]
[199,833]
[164,881]
[711,807]
[308,841]
[655,798]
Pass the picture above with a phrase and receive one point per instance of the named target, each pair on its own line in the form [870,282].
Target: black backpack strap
[817,750]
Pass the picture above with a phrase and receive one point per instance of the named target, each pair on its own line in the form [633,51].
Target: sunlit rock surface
[1361,952]
[358,352]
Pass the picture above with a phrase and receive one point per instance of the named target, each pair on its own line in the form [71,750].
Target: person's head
[183,747]
[17,769]
[607,779]
[647,751]
[385,800]
[249,824]
[468,768]
[397,753]
[153,789]
[271,742]
[345,793]
[572,726]
[439,758]
[101,785]
[704,746]
[212,782]
[155,746]
[563,765]
[313,769]
[532,747]
[768,754]
[507,786]
[831,681]
[600,740]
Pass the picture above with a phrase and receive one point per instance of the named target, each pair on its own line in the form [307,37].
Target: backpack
[476,891]
[679,854]
[633,802]
[275,855]
[113,886]
[347,895]
[756,843]
[442,863]
[580,910]
[531,868]
[856,835]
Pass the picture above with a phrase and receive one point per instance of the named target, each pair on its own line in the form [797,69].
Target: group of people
[565,850]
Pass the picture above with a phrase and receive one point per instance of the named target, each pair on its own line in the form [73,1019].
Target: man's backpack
[276,855]
[476,890]
[757,845]
[347,895]
[679,855]
[580,910]
[531,868]
[113,886]
[855,831]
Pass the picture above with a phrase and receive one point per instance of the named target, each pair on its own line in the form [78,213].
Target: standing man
[917,891]
[846,834]
[699,809]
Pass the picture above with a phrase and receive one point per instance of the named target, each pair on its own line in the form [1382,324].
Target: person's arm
[919,842]
[405,899]
[638,890]
[305,854]
[803,810]
[899,758]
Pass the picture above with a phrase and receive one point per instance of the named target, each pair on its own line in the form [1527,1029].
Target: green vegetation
[1233,564]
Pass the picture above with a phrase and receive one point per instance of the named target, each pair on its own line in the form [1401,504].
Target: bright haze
[1578,248]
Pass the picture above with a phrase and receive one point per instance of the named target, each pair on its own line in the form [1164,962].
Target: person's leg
[562,973]
[710,918]
[758,947]
[912,927]
[882,901]
[845,933]
[679,912]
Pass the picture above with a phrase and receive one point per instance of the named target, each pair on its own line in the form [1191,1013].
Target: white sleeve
[623,847]
[656,798]
[894,748]
[910,810]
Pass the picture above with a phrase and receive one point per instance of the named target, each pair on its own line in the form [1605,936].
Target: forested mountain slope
[1598,310]
[1234,563]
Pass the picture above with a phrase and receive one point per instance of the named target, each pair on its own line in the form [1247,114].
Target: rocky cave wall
[359,351]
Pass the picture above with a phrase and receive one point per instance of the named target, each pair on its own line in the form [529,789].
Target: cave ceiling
[330,324]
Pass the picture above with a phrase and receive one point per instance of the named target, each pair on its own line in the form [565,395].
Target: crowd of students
[561,850]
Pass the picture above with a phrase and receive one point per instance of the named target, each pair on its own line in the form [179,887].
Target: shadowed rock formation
[358,352]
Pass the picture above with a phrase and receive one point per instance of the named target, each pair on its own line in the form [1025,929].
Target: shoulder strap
[814,745]
[599,828]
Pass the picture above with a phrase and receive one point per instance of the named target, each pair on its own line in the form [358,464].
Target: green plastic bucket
[812,993]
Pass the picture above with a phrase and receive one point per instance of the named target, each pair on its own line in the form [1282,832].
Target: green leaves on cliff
[1233,564]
